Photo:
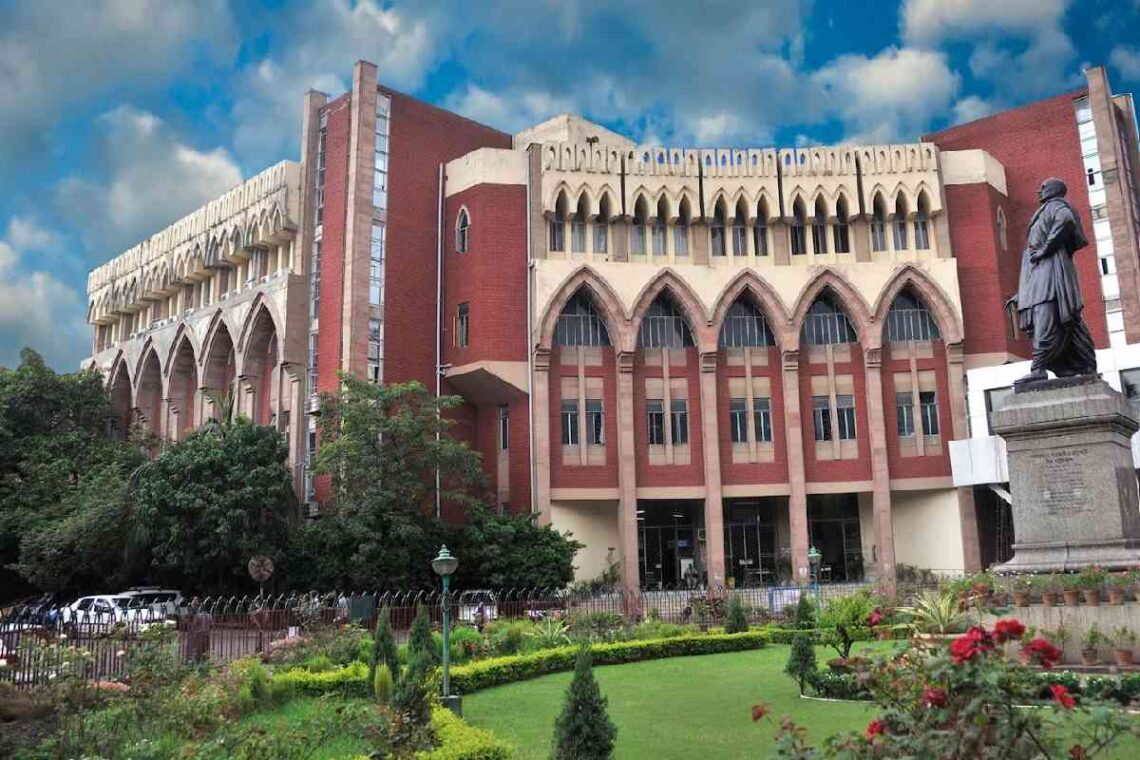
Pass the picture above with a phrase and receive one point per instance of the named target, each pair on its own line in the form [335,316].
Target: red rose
[1062,696]
[759,710]
[970,644]
[934,697]
[875,617]
[1077,752]
[875,728]
[1008,630]
[1042,652]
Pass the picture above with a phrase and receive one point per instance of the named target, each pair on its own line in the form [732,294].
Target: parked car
[96,614]
[163,602]
[472,603]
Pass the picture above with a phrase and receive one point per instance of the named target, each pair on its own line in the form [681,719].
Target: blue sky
[119,116]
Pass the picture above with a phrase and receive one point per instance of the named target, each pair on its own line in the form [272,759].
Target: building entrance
[750,552]
[833,529]
[671,551]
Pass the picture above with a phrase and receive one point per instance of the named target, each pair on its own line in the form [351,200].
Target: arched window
[740,230]
[659,230]
[462,228]
[558,225]
[637,231]
[760,231]
[578,226]
[580,324]
[602,226]
[842,233]
[664,326]
[681,229]
[744,325]
[797,232]
[717,230]
[909,319]
[878,224]
[1003,229]
[826,324]
[900,223]
[922,224]
[819,227]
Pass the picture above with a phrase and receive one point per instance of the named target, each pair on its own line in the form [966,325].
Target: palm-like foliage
[936,612]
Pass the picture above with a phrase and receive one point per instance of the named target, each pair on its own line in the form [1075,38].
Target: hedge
[779,635]
[483,674]
[349,681]
[461,741]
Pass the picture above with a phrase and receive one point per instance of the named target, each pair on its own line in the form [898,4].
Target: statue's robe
[1049,298]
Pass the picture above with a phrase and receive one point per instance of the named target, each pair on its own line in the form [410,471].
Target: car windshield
[122,602]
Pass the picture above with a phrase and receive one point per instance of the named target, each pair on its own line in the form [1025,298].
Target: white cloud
[34,304]
[892,96]
[972,108]
[54,55]
[149,178]
[319,44]
[1127,61]
[928,22]
[510,112]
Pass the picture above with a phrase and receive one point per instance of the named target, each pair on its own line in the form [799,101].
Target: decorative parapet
[263,210]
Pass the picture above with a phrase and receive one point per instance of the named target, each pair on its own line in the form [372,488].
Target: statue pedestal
[1071,476]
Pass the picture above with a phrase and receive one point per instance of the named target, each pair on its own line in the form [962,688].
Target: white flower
[120,653]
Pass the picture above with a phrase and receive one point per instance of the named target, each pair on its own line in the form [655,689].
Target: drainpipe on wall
[529,347]
[438,322]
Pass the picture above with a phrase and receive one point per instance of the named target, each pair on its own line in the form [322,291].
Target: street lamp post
[814,560]
[444,565]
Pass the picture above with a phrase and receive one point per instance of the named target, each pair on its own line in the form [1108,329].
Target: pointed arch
[718,245]
[148,390]
[182,333]
[797,231]
[846,297]
[878,222]
[219,367]
[605,300]
[182,388]
[120,391]
[819,225]
[922,221]
[694,311]
[607,204]
[638,223]
[740,227]
[260,356]
[558,220]
[748,284]
[841,228]
[462,230]
[929,292]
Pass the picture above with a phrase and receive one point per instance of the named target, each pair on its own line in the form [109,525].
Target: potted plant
[1118,587]
[1123,641]
[1090,642]
[1048,585]
[1022,590]
[1090,581]
[1070,590]
[936,615]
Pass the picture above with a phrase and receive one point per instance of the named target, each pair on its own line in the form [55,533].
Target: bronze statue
[1049,301]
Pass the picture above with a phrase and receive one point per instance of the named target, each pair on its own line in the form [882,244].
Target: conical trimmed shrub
[801,660]
[735,618]
[584,731]
[384,646]
[420,639]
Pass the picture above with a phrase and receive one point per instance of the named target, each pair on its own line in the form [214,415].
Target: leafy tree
[845,617]
[209,503]
[501,551]
[420,640]
[384,650]
[583,730]
[801,661]
[735,618]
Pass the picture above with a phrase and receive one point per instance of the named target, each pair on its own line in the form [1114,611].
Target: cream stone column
[714,508]
[627,475]
[797,497]
[880,468]
[967,510]
[541,433]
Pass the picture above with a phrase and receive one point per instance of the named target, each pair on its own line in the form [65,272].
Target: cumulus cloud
[319,44]
[1126,60]
[891,96]
[928,22]
[36,309]
[972,108]
[510,111]
[59,54]
[148,178]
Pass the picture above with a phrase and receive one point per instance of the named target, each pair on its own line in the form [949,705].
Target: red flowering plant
[968,700]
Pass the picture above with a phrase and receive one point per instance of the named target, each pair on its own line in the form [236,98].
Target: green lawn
[296,713]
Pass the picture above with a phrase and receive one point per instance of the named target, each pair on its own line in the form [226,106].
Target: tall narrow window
[602,226]
[375,351]
[1003,234]
[663,326]
[845,416]
[595,422]
[928,406]
[655,421]
[681,230]
[904,409]
[738,419]
[462,326]
[376,266]
[579,324]
[762,419]
[740,230]
[796,230]
[637,229]
[558,225]
[679,421]
[878,225]
[461,231]
[578,226]
[821,417]
[827,324]
[659,229]
[819,228]
[922,224]
[716,232]
[760,231]
[569,423]
[380,166]
[504,427]
[900,223]
[842,232]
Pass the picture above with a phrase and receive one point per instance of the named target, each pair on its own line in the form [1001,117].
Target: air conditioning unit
[313,405]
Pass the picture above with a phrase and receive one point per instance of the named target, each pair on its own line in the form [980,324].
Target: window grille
[909,319]
[744,325]
[595,423]
[738,419]
[655,420]
[821,417]
[826,324]
[928,407]
[904,406]
[664,327]
[679,419]
[579,324]
[569,423]
[845,416]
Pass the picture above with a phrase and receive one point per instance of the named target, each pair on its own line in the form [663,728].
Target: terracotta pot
[1049,598]
[1021,598]
[1089,657]
[963,601]
[1072,597]
[1123,657]
[1092,596]
[1116,596]
[839,666]
[995,599]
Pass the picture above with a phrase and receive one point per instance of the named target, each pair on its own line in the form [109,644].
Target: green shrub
[509,637]
[1130,684]
[420,639]
[412,696]
[349,681]
[458,740]
[252,681]
[583,730]
[735,618]
[597,626]
[382,685]
[483,674]
[801,660]
[318,664]
[654,628]
[198,706]
[384,645]
[805,612]
[838,686]
[466,644]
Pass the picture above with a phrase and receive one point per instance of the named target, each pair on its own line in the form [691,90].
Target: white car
[477,604]
[95,614]
[162,602]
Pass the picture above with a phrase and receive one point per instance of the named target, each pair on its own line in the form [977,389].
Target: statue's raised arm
[1049,301]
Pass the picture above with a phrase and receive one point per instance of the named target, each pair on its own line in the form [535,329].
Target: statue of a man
[1049,299]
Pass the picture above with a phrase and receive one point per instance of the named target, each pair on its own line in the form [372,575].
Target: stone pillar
[699,243]
[541,434]
[714,509]
[246,401]
[797,497]
[627,475]
[967,510]
[859,232]
[781,245]
[880,468]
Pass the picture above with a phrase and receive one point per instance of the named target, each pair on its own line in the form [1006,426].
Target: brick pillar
[880,468]
[627,475]
[797,498]
[541,434]
[714,509]
[967,510]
